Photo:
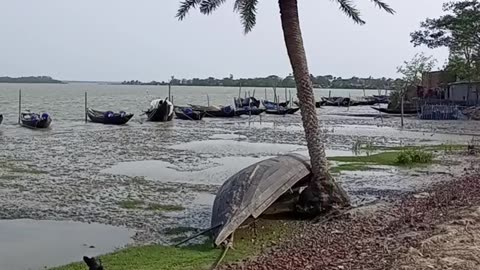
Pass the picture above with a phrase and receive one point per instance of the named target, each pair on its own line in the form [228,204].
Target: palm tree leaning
[323,193]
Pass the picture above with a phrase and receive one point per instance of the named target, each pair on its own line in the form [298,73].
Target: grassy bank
[202,256]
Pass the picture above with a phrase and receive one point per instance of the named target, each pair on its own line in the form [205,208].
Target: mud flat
[151,177]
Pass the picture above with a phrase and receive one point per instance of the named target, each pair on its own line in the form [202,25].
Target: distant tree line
[30,79]
[327,81]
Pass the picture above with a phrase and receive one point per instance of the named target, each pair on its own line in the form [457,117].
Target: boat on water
[249,111]
[188,113]
[396,111]
[109,117]
[161,110]
[282,111]
[247,102]
[216,111]
[35,120]
[273,105]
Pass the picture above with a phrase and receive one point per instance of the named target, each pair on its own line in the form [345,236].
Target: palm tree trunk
[323,192]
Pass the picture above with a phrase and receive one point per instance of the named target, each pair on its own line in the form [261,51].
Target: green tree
[459,31]
[323,192]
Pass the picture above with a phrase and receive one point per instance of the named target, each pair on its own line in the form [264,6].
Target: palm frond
[185,6]
[350,10]
[208,6]
[248,13]
[382,5]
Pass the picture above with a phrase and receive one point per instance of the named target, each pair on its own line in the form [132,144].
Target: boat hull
[102,118]
[35,123]
[183,114]
[163,113]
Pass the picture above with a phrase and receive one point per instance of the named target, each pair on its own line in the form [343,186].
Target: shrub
[413,156]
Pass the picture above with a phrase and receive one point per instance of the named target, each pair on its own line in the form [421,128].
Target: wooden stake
[401,104]
[329,93]
[169,91]
[19,105]
[86,107]
[208,101]
[265,93]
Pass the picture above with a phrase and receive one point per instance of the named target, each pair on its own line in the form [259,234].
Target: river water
[85,172]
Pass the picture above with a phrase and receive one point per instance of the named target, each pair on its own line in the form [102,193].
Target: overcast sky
[115,40]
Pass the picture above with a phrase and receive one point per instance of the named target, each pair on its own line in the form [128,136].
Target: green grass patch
[179,230]
[350,167]
[194,257]
[131,204]
[412,156]
[165,207]
[385,158]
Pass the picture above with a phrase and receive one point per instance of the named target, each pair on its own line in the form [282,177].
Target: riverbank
[382,231]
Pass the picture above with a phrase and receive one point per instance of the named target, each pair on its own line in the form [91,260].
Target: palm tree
[323,193]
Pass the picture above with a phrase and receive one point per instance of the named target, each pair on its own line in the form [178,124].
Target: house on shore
[464,92]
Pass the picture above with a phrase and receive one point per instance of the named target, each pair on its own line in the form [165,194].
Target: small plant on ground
[165,207]
[413,156]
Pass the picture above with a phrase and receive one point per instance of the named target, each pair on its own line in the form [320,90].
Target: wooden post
[275,92]
[329,93]
[253,93]
[86,107]
[401,107]
[265,93]
[364,92]
[286,97]
[169,90]
[290,95]
[19,104]
[208,101]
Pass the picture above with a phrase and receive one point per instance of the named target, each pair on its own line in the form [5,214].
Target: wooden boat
[161,110]
[247,102]
[270,186]
[187,113]
[282,111]
[249,111]
[214,111]
[272,105]
[397,111]
[109,117]
[34,120]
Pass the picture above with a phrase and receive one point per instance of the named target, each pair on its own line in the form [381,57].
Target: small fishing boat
[247,102]
[249,111]
[187,113]
[282,111]
[34,120]
[396,111]
[273,105]
[216,111]
[109,117]
[161,110]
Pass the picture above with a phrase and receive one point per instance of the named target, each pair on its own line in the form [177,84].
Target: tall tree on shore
[323,192]
[459,31]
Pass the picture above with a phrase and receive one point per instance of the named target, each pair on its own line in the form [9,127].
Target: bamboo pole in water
[286,97]
[329,93]
[265,93]
[169,91]
[19,104]
[208,101]
[86,107]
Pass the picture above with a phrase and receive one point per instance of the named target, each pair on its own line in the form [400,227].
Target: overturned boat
[35,120]
[271,185]
[109,117]
[161,110]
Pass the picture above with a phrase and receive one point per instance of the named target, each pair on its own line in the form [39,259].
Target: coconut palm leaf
[248,13]
[350,10]
[384,6]
[185,6]
[208,6]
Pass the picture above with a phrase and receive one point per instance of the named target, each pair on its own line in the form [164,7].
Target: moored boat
[161,110]
[34,120]
[282,111]
[272,105]
[188,113]
[396,111]
[109,117]
[216,111]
